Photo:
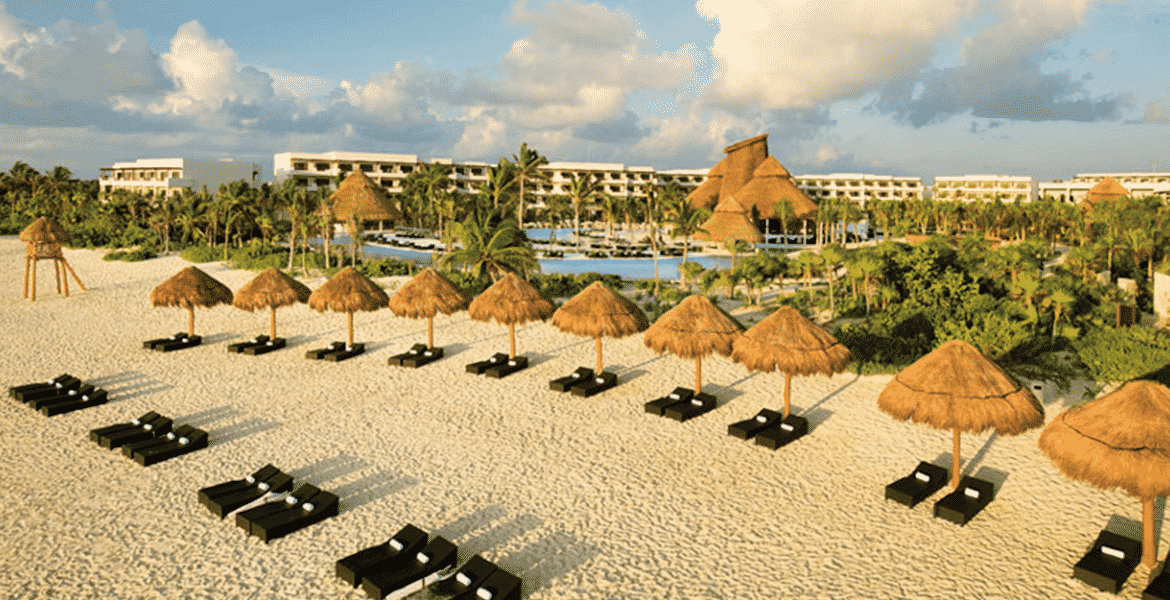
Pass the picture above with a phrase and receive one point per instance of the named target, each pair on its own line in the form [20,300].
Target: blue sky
[1047,88]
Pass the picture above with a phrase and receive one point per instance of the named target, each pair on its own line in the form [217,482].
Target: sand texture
[582,498]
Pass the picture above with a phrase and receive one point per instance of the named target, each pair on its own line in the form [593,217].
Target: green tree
[491,246]
[685,221]
[582,190]
[784,212]
[527,165]
[832,256]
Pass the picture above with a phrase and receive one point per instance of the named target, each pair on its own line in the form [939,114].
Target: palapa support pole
[698,375]
[955,463]
[191,319]
[1149,551]
[349,319]
[430,332]
[272,321]
[34,280]
[787,391]
[599,369]
[512,339]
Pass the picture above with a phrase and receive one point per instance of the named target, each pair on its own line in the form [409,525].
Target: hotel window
[344,167]
[176,175]
[300,166]
[322,166]
[386,168]
[367,168]
[477,171]
[322,182]
[407,168]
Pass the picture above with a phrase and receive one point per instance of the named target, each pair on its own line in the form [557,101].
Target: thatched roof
[358,194]
[425,295]
[348,291]
[44,231]
[271,289]
[707,194]
[693,329]
[743,158]
[790,343]
[189,288]
[730,222]
[511,301]
[599,311]
[1106,189]
[956,387]
[771,183]
[1120,440]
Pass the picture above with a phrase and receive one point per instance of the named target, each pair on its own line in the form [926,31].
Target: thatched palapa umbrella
[790,343]
[190,288]
[348,291]
[1121,439]
[425,295]
[271,289]
[511,301]
[955,387]
[599,311]
[694,329]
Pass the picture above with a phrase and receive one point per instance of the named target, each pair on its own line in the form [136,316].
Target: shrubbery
[143,253]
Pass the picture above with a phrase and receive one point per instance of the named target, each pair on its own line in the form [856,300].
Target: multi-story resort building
[159,177]
[1138,184]
[968,188]
[859,187]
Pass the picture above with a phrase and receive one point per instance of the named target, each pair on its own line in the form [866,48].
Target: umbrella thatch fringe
[790,343]
[511,301]
[707,194]
[1121,440]
[693,329]
[348,291]
[598,311]
[425,295]
[730,222]
[271,289]
[191,287]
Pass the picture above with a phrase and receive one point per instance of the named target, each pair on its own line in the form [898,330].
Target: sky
[1047,88]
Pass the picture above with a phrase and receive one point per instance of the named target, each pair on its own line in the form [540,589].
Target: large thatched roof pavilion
[730,222]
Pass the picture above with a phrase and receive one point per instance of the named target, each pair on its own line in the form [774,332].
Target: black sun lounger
[128,450]
[312,509]
[96,435]
[415,350]
[500,585]
[746,430]
[209,493]
[62,395]
[86,396]
[439,554]
[680,394]
[159,426]
[965,502]
[467,578]
[479,367]
[345,353]
[69,383]
[266,347]
[239,347]
[150,344]
[245,518]
[503,370]
[428,356]
[187,341]
[1159,587]
[699,404]
[1109,562]
[563,384]
[919,485]
[788,430]
[178,444]
[599,383]
[222,499]
[16,392]
[391,555]
[320,353]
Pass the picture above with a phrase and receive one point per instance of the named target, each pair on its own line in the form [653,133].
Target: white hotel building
[859,187]
[160,177]
[969,188]
[1138,184]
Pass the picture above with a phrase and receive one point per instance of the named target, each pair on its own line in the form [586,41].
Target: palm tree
[611,208]
[491,246]
[1140,241]
[686,221]
[556,207]
[807,261]
[1059,300]
[1028,287]
[527,164]
[501,183]
[581,190]
[885,212]
[784,211]
[870,266]
[163,217]
[735,246]
[832,255]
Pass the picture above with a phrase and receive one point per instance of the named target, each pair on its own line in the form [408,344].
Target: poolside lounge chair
[245,518]
[66,384]
[266,347]
[788,430]
[1109,562]
[391,555]
[239,347]
[439,554]
[415,350]
[209,494]
[159,426]
[467,578]
[150,344]
[680,394]
[599,383]
[187,341]
[699,404]
[178,444]
[479,367]
[924,481]
[86,396]
[966,501]
[563,384]
[16,391]
[503,370]
[312,510]
[320,353]
[428,356]
[1159,587]
[95,435]
[746,430]
[499,585]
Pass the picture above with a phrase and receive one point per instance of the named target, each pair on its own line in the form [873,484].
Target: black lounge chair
[746,430]
[150,344]
[313,509]
[1109,562]
[1159,587]
[17,391]
[239,347]
[503,370]
[320,353]
[468,577]
[500,585]
[391,555]
[680,394]
[919,485]
[965,502]
[563,384]
[790,429]
[129,450]
[157,427]
[701,403]
[479,367]
[439,554]
[178,444]
[345,353]
[266,347]
[96,435]
[601,382]
[187,341]
[85,397]
[415,350]
[245,518]
[62,395]
[69,383]
[428,356]
[225,502]
[208,494]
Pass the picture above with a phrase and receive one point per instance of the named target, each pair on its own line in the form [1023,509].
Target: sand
[582,498]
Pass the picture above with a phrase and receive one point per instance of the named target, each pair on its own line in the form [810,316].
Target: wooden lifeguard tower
[44,239]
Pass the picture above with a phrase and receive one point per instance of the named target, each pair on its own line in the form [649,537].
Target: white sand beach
[582,498]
